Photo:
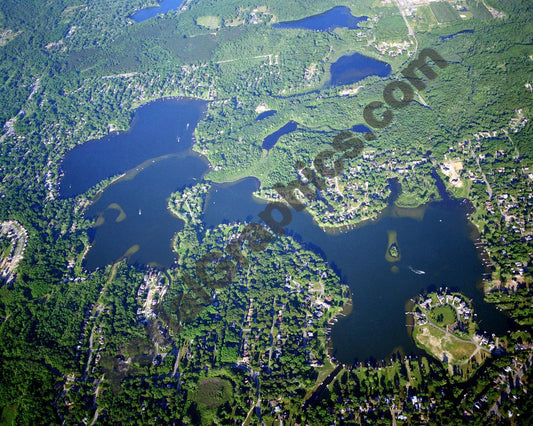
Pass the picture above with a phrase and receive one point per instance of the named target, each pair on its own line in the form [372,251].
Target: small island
[188,204]
[393,249]
[444,327]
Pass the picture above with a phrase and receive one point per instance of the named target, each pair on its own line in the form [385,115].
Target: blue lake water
[150,12]
[148,226]
[457,33]
[158,129]
[350,69]
[265,114]
[338,17]
[272,139]
[439,244]
[158,160]
[360,128]
[133,216]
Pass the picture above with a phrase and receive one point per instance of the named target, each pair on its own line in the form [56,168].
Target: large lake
[156,157]
[135,218]
[438,244]
[337,17]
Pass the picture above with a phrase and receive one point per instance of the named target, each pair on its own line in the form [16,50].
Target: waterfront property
[444,326]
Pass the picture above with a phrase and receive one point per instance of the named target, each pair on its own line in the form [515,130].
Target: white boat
[416,271]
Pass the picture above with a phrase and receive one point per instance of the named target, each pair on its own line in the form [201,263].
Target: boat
[140,212]
[416,271]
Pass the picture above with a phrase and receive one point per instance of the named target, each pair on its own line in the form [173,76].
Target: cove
[133,220]
[353,68]
[150,12]
[157,129]
[438,244]
[131,214]
[337,17]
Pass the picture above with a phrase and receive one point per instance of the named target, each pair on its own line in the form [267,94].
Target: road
[402,5]
[99,308]
[478,346]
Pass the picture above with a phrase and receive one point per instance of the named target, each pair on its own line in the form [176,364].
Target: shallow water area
[157,129]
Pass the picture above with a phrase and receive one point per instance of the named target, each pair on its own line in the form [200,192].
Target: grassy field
[391,27]
[211,22]
[213,392]
[8,415]
[444,12]
[443,315]
[426,18]
[478,9]
[442,346]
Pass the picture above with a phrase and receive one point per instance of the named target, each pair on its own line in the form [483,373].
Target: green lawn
[211,22]
[444,12]
[391,27]
[443,315]
[478,9]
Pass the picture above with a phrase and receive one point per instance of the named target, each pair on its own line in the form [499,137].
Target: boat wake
[416,271]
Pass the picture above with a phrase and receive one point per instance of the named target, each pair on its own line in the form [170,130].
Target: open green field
[426,17]
[211,22]
[478,9]
[443,346]
[391,27]
[8,414]
[443,315]
[213,392]
[444,12]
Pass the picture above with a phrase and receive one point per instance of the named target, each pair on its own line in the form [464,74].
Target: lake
[457,33]
[338,17]
[156,157]
[134,222]
[265,114]
[347,69]
[150,12]
[350,69]
[272,139]
[439,245]
[146,226]
[157,129]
